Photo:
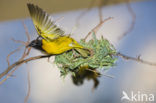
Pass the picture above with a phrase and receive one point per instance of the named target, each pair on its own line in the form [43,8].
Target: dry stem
[133,16]
[21,62]
[7,59]
[97,27]
[29,86]
[25,53]
[137,59]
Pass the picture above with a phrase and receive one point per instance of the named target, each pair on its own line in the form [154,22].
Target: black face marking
[37,44]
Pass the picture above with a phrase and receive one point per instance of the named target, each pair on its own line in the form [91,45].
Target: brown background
[14,9]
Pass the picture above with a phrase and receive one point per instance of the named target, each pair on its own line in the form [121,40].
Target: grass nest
[102,57]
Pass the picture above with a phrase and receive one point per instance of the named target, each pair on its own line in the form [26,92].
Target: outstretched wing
[44,25]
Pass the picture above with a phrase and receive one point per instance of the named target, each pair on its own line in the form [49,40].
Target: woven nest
[102,57]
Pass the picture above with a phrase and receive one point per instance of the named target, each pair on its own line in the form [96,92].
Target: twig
[133,16]
[100,4]
[26,32]
[11,54]
[100,13]
[29,86]
[25,53]
[137,59]
[96,28]
[19,41]
[9,74]
[21,62]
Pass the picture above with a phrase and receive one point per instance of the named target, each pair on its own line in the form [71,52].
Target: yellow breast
[59,45]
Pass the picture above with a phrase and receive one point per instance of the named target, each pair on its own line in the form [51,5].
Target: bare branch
[97,27]
[100,14]
[100,4]
[29,86]
[133,15]
[26,32]
[19,41]
[11,54]
[137,59]
[9,74]
[25,53]
[22,62]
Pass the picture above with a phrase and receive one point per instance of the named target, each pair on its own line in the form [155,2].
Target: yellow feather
[44,25]
[60,45]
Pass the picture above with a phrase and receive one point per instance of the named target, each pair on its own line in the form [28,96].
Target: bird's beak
[31,44]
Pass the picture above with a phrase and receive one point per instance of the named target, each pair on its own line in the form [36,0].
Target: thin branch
[25,53]
[133,16]
[22,42]
[100,14]
[21,62]
[97,27]
[7,59]
[100,4]
[14,69]
[137,59]
[29,86]
[26,32]
[19,41]
[9,74]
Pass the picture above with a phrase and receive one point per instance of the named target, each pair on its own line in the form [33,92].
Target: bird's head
[37,44]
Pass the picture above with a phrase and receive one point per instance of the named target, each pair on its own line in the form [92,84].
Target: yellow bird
[51,38]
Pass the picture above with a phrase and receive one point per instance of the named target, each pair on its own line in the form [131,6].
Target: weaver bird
[51,38]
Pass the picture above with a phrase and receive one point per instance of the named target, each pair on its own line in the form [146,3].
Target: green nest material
[102,56]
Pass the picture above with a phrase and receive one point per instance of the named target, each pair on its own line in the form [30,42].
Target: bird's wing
[44,24]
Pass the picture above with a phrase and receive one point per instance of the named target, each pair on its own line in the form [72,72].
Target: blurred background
[15,9]
[46,84]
